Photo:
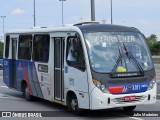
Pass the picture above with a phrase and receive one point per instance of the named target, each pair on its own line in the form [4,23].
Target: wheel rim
[26,93]
[74,104]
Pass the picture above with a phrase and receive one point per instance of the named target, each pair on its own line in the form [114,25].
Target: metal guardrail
[156,59]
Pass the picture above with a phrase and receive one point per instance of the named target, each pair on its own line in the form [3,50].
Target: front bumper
[100,100]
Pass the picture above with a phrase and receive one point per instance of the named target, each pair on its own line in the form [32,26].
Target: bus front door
[59,68]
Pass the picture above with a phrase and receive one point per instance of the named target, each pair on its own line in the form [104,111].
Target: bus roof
[107,28]
[86,27]
[40,30]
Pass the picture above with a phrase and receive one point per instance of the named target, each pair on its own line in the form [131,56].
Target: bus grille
[122,101]
[126,81]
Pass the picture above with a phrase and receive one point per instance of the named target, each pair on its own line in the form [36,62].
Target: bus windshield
[105,49]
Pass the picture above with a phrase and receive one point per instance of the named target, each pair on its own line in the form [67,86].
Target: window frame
[67,53]
[20,38]
[7,46]
[33,51]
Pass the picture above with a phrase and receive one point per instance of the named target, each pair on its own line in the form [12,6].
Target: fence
[156,59]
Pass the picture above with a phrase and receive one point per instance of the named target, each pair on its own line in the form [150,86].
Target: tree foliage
[153,44]
[1,49]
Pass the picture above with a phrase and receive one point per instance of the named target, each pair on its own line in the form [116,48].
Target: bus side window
[25,47]
[41,45]
[7,46]
[75,56]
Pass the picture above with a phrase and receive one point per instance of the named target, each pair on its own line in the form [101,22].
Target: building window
[7,46]
[41,48]
[25,47]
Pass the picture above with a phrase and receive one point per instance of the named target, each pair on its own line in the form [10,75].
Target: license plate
[129,98]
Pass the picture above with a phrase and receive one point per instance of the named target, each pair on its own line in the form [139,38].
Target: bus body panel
[82,97]
[43,79]
[87,63]
[99,100]
[40,77]
[9,63]
[76,80]
[128,88]
[7,72]
[38,82]
[26,70]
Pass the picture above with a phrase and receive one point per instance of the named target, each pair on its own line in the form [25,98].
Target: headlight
[152,83]
[102,87]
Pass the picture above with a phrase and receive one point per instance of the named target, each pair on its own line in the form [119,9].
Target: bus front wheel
[129,108]
[73,105]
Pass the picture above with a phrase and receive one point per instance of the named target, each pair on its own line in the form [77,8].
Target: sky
[142,14]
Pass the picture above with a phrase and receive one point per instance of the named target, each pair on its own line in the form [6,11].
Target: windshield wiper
[130,56]
[117,62]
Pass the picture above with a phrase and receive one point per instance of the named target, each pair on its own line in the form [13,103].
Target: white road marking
[8,97]
[15,98]
[4,86]
[4,96]
[135,118]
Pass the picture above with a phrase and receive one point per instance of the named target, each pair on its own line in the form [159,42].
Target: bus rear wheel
[26,94]
[73,105]
[129,108]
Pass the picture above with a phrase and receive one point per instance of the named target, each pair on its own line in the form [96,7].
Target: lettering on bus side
[71,81]
[127,74]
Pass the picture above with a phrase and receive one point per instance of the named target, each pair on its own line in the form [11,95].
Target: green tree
[155,48]
[153,44]
[151,40]
[1,49]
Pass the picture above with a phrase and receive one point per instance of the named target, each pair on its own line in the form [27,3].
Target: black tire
[129,108]
[26,94]
[73,105]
